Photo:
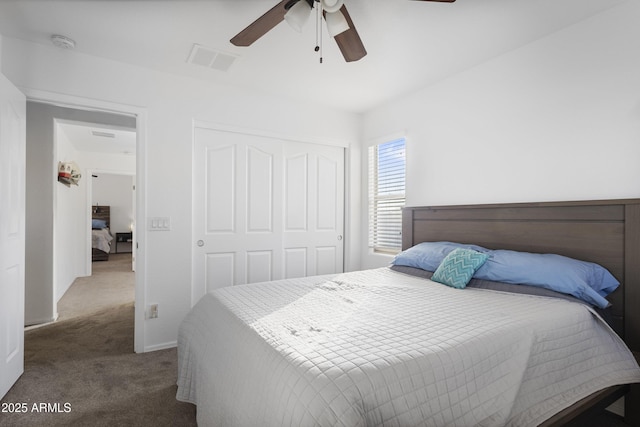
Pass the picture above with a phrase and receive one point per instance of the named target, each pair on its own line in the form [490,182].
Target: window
[386,195]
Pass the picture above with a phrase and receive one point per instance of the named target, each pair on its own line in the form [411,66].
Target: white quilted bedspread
[381,348]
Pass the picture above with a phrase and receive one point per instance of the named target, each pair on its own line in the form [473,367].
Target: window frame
[384,232]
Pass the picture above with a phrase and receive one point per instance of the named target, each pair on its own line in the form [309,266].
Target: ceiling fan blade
[261,26]
[349,41]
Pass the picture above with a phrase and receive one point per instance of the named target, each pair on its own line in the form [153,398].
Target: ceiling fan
[296,12]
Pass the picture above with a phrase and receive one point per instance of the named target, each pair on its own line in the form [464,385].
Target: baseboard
[162,346]
[31,323]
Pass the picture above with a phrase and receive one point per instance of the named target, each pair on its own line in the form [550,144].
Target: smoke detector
[62,42]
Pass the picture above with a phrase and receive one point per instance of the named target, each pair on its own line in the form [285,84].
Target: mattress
[382,348]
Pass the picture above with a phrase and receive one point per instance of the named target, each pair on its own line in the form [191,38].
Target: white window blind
[386,195]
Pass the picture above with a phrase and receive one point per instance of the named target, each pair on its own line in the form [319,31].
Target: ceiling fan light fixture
[336,23]
[331,5]
[298,15]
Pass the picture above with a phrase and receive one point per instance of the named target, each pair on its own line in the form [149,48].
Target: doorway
[48,200]
[105,154]
[112,193]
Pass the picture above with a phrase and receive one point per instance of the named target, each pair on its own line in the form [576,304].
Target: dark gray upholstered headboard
[606,232]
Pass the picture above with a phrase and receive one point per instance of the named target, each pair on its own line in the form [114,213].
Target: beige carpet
[83,368]
[111,283]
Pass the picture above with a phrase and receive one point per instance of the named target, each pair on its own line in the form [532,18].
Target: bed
[388,347]
[101,237]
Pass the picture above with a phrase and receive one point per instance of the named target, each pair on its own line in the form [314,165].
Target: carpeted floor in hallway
[82,371]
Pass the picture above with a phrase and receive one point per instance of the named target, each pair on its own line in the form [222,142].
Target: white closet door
[264,209]
[12,233]
[314,209]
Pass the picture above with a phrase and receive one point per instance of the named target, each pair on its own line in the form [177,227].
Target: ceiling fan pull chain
[319,28]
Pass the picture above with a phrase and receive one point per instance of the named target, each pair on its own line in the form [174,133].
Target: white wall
[115,191]
[558,119]
[120,164]
[172,104]
[69,238]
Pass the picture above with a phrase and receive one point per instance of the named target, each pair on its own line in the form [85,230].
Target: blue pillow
[458,267]
[585,280]
[98,223]
[429,255]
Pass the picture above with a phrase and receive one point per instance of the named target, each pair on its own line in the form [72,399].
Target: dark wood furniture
[604,231]
[102,213]
[124,242]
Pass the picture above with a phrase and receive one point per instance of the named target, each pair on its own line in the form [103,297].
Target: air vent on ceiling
[103,134]
[210,58]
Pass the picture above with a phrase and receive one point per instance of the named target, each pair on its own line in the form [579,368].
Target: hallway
[111,284]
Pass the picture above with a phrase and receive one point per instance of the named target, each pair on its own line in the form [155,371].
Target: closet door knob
[200,243]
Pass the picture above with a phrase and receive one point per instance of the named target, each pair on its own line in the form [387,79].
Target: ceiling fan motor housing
[331,6]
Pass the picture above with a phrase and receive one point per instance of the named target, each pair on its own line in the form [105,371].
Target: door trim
[140,113]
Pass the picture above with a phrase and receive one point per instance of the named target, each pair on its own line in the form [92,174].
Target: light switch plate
[159,223]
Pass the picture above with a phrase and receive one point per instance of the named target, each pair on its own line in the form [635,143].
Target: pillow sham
[585,280]
[458,267]
[429,255]
[98,223]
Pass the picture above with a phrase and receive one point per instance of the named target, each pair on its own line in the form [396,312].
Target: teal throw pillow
[458,267]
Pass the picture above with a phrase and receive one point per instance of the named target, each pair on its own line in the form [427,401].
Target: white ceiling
[99,138]
[410,44]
